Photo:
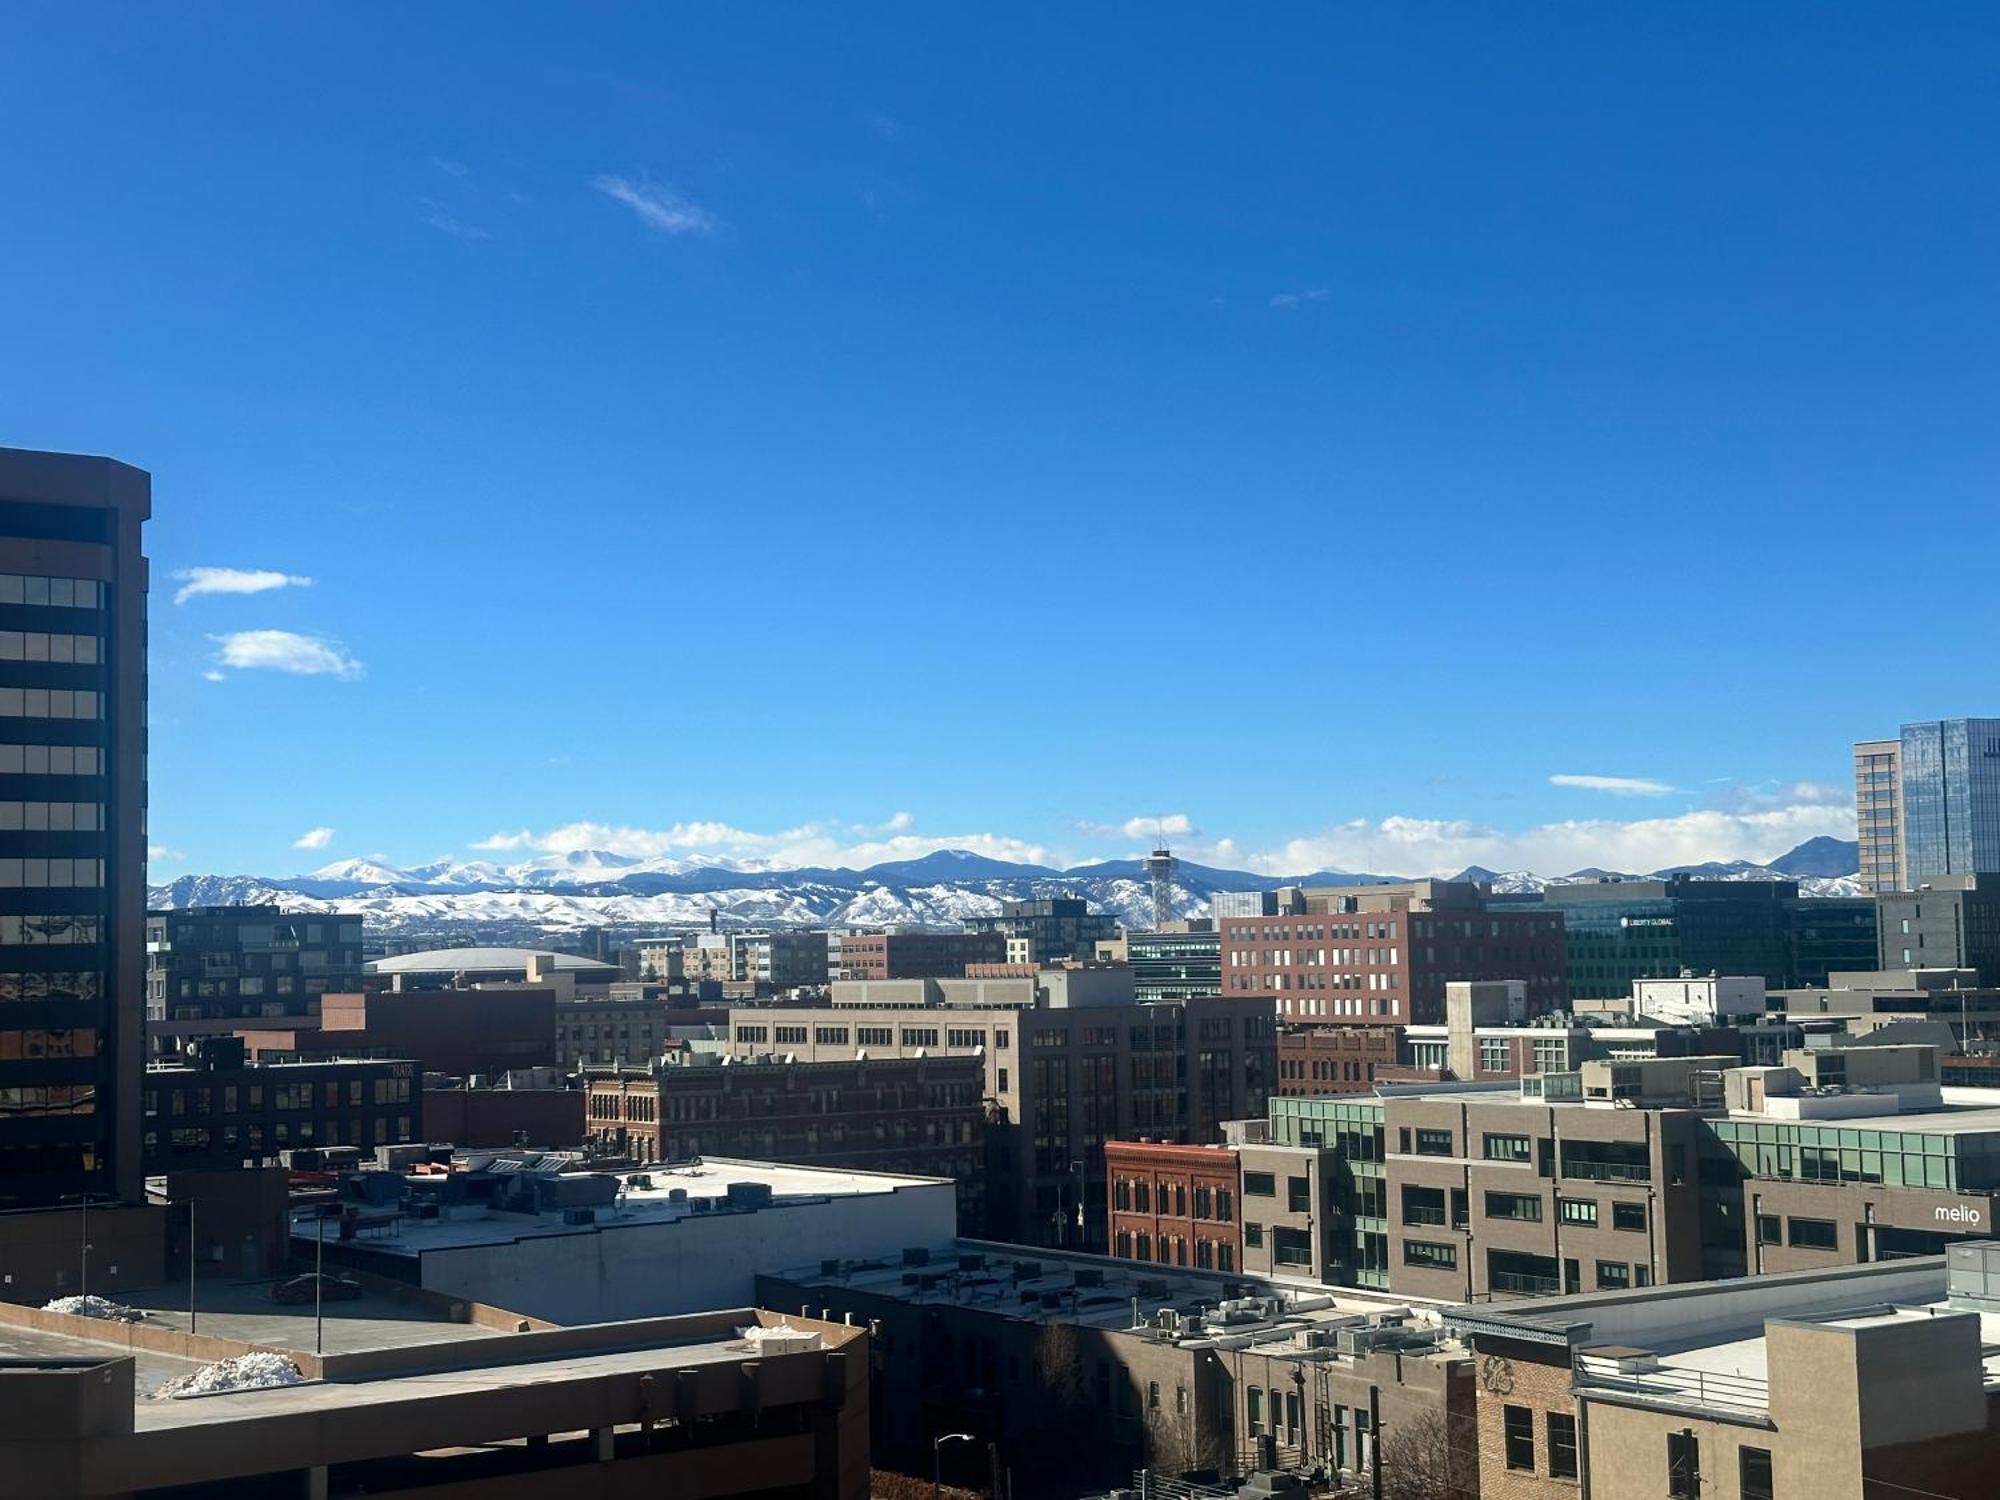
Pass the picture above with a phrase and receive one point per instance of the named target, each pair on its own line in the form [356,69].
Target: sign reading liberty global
[1961,1213]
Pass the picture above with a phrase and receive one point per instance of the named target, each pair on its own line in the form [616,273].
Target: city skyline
[668,425]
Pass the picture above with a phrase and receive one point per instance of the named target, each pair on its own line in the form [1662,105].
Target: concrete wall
[645,1270]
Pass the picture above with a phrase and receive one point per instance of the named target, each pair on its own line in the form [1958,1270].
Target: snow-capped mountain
[594,888]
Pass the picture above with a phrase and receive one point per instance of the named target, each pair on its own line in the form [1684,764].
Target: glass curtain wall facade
[1349,1133]
[72,826]
[1950,798]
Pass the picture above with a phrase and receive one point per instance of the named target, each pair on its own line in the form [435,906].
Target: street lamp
[83,1241]
[937,1457]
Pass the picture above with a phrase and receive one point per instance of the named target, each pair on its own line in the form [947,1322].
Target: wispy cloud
[1300,299]
[1618,786]
[818,843]
[448,167]
[657,207]
[1144,826]
[196,582]
[313,838]
[162,855]
[284,651]
[444,221]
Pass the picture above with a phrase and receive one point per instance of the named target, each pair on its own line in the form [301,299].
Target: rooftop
[649,1195]
[453,960]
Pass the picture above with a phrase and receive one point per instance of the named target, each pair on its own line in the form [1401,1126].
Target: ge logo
[1497,1375]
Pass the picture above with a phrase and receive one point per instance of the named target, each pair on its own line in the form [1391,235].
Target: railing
[1608,1171]
[1524,1283]
[1702,1387]
[1413,1215]
[1153,1486]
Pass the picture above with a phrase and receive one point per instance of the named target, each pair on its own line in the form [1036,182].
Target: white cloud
[313,838]
[1147,826]
[657,207]
[820,843]
[198,581]
[1618,786]
[214,676]
[284,651]
[164,855]
[444,221]
[1290,300]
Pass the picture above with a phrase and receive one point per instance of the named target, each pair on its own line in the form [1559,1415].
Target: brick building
[1172,1204]
[1334,1059]
[220,1111]
[1382,955]
[549,1117]
[446,1031]
[912,955]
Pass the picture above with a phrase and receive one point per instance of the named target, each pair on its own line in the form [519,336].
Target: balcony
[1412,1214]
[1608,1171]
[1523,1284]
[1702,1388]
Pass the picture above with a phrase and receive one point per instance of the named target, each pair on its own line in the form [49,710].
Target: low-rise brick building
[1316,1060]
[1173,1204]
[912,955]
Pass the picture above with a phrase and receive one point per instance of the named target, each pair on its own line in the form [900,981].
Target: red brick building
[549,1118]
[1382,955]
[1174,1205]
[917,955]
[447,1031]
[1314,1060]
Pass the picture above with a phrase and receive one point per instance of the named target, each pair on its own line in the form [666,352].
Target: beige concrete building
[1867,1383]
[1071,1062]
[1878,814]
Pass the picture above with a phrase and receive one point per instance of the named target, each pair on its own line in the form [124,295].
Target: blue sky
[797,434]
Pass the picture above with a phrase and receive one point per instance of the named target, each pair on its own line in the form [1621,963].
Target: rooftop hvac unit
[1027,1270]
[971,1262]
[640,1180]
[916,1255]
[579,1216]
[677,1195]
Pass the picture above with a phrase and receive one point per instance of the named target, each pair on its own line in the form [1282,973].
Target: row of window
[50,760]
[49,1099]
[37,930]
[1209,1255]
[51,817]
[55,874]
[50,703]
[42,645]
[57,984]
[40,1042]
[58,593]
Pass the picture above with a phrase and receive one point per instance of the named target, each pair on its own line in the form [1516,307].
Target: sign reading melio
[1963,1215]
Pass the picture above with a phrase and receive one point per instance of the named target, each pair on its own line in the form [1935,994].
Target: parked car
[300,1289]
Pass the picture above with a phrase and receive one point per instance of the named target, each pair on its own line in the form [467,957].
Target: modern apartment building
[1878,814]
[1174,1205]
[213,969]
[911,955]
[1950,798]
[1049,930]
[1072,1061]
[72,826]
[1947,922]
[921,1116]
[1617,931]
[1181,961]
[217,1110]
[757,963]
[1382,955]
[1867,1383]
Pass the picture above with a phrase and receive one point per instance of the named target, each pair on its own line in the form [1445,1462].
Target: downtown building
[72,827]
[1049,930]
[1072,1062]
[911,955]
[1382,955]
[215,969]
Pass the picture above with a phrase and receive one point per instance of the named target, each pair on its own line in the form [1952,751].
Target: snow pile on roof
[95,1307]
[783,1339]
[246,1372]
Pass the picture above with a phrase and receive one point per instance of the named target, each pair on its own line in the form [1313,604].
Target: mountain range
[474,900]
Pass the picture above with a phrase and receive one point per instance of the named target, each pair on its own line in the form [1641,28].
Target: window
[1753,1473]
[1253,1409]
[1506,1148]
[1520,1429]
[1299,1194]
[1768,1230]
[830,1036]
[792,1034]
[1577,1210]
[1426,1253]
[920,1036]
[1814,1234]
[1524,1208]
[1434,1143]
[1260,1185]
[1253,1236]
[874,1036]
[1683,1466]
[1629,1216]
[1613,1276]
[1562,1446]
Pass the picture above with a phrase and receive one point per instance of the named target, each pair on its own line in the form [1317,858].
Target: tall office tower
[1951,799]
[72,826]
[1878,813]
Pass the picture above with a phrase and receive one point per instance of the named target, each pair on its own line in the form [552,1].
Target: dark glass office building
[72,825]
[1951,798]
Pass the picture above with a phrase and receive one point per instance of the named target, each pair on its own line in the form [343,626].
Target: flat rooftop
[705,1181]
[1094,1291]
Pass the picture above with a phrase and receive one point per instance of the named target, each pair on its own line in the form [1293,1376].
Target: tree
[1425,1457]
[1176,1446]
